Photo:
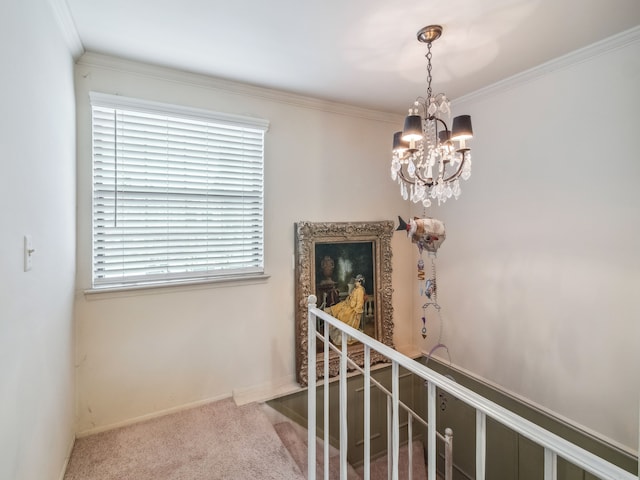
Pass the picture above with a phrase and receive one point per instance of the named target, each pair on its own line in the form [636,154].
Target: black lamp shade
[412,130]
[399,145]
[461,128]
[444,136]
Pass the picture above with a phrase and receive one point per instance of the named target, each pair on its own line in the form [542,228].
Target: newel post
[448,454]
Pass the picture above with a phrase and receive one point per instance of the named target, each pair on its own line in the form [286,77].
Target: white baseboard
[67,458]
[267,391]
[149,416]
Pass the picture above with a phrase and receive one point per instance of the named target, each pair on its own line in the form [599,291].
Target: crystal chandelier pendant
[457,191]
[466,169]
[429,158]
[411,169]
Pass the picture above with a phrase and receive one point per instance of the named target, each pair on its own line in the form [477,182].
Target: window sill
[178,285]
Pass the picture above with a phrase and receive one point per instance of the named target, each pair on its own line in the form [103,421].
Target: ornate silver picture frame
[329,257]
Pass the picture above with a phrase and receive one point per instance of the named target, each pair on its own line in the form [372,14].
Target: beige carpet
[379,466]
[296,443]
[219,441]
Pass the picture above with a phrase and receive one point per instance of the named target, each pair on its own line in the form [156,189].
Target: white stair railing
[393,406]
[554,446]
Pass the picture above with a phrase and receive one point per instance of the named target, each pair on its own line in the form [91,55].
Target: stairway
[294,438]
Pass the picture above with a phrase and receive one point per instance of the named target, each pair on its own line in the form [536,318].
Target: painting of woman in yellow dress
[348,311]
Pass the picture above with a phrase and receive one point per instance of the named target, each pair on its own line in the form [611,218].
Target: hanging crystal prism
[411,168]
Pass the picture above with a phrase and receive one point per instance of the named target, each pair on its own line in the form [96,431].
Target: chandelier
[428,158]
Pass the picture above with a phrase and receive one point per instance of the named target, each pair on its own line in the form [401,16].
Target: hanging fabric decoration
[428,234]
[421,269]
[430,291]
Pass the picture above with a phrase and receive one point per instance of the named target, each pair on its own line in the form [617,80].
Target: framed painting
[334,261]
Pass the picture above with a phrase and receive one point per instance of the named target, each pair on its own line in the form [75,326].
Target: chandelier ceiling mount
[429,33]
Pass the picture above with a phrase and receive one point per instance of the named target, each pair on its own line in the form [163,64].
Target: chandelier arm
[444,124]
[458,172]
[419,178]
[421,101]
[405,179]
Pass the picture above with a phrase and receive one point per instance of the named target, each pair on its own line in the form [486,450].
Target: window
[177,193]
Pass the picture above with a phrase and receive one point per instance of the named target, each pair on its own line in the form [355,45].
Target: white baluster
[410,443]
[343,407]
[481,444]
[311,391]
[395,434]
[389,441]
[326,399]
[431,431]
[367,412]
[550,465]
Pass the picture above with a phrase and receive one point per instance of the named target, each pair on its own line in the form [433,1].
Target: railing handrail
[550,441]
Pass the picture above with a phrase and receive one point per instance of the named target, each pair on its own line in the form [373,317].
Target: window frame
[211,274]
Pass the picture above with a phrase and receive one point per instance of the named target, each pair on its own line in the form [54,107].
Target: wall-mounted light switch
[28,252]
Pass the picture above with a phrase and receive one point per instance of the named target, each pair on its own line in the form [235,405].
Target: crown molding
[589,52]
[67,26]
[98,60]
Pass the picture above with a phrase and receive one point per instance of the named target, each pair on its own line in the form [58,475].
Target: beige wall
[536,275]
[144,352]
[37,197]
[540,270]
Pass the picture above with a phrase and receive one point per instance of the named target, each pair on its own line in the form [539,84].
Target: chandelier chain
[429,91]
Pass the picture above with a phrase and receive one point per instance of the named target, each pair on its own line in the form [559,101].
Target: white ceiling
[360,52]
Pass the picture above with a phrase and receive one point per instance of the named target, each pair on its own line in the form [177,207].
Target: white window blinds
[177,193]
